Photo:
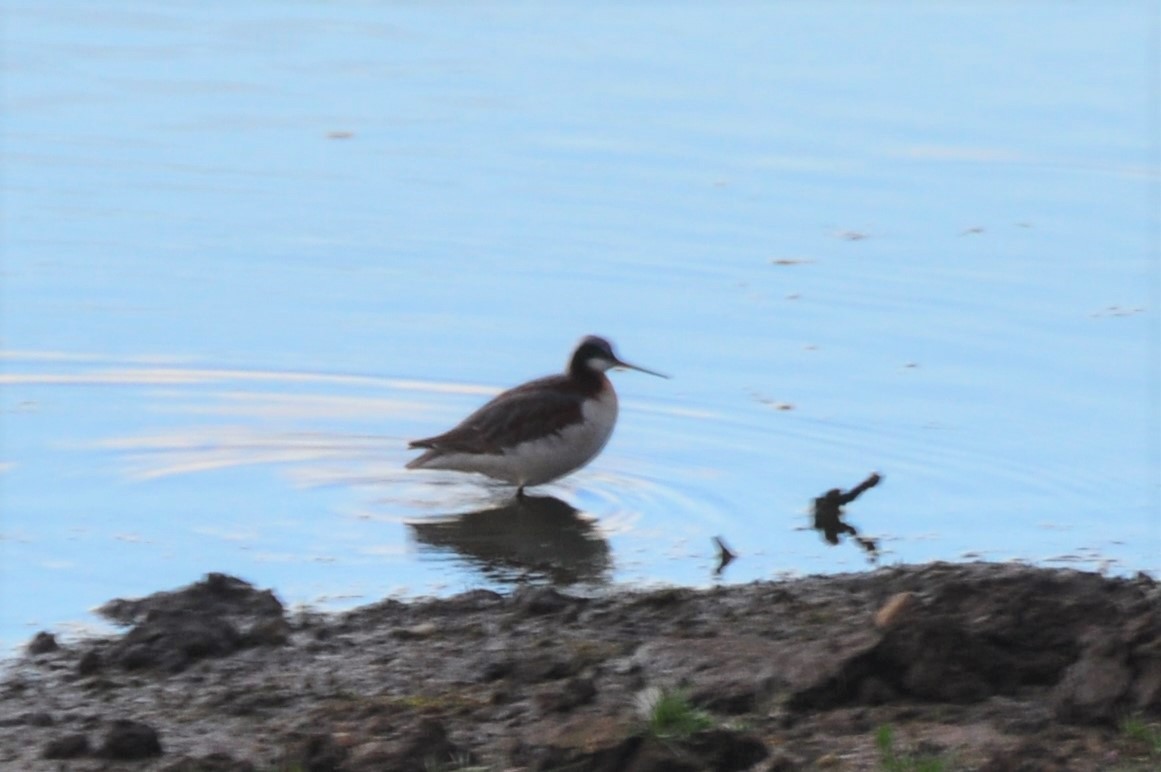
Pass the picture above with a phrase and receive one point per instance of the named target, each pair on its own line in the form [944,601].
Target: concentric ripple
[298,479]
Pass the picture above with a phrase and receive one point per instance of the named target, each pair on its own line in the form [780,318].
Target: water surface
[250,251]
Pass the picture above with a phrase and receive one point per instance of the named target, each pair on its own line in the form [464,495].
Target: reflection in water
[531,537]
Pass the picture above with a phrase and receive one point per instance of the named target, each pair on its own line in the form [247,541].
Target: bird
[538,431]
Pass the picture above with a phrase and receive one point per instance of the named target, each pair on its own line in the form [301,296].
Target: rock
[42,643]
[824,677]
[968,644]
[1092,690]
[126,740]
[217,595]
[171,640]
[68,746]
[936,657]
[211,618]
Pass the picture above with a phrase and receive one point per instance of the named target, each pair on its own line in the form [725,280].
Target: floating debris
[828,515]
[852,235]
[1118,311]
[725,555]
[762,399]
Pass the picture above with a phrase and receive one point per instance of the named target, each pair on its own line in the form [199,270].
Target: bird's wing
[518,415]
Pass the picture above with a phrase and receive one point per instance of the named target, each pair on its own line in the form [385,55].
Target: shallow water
[249,252]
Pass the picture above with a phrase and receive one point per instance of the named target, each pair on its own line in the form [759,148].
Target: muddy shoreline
[969,666]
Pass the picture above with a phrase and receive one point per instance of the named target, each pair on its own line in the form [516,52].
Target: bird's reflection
[537,538]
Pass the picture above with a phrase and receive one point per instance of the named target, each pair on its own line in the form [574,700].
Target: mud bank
[968,666]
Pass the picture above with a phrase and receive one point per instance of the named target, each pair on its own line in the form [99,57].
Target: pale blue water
[249,251]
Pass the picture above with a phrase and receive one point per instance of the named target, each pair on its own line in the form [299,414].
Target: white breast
[543,460]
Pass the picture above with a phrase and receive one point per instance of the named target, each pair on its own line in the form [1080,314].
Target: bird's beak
[628,366]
